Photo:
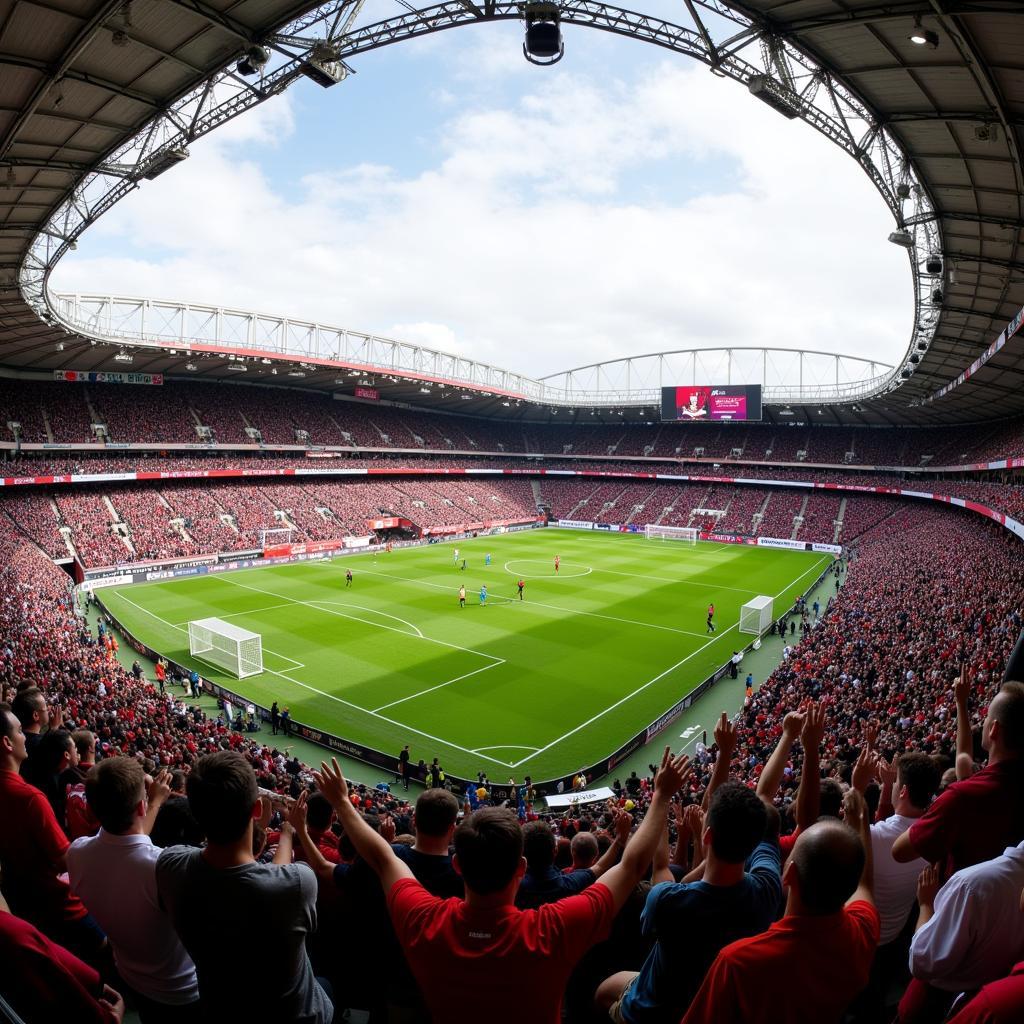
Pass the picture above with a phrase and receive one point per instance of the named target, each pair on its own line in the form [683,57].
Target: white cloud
[534,242]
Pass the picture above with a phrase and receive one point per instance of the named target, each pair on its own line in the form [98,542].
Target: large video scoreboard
[696,404]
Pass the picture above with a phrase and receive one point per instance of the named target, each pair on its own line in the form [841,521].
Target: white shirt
[895,884]
[115,877]
[977,932]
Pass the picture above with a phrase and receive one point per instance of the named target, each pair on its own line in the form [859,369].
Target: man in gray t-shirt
[220,898]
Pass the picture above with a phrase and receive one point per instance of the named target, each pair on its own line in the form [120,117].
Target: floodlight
[903,190]
[902,238]
[255,59]
[933,265]
[906,374]
[543,44]
[123,357]
[190,366]
[915,359]
[937,297]
[924,36]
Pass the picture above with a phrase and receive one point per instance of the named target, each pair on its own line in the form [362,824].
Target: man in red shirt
[43,981]
[481,951]
[976,819]
[999,1002]
[807,967]
[32,850]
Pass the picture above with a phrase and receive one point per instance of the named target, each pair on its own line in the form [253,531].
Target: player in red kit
[557,563]
[711,616]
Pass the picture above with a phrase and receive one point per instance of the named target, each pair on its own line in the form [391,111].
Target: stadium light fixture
[903,190]
[255,59]
[902,238]
[237,367]
[190,366]
[296,373]
[543,44]
[59,346]
[933,265]
[923,36]
[937,297]
[123,357]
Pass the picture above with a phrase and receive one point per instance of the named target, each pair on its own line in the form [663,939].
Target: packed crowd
[172,413]
[138,521]
[849,847]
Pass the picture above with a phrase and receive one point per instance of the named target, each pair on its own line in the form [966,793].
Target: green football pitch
[536,687]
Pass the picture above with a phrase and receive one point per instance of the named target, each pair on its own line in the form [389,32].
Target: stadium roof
[79,80]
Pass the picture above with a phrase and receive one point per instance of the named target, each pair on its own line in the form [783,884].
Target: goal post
[756,615]
[229,647]
[276,535]
[687,534]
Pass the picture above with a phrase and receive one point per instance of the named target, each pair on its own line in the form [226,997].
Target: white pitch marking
[339,700]
[235,615]
[366,608]
[380,625]
[439,686]
[550,607]
[504,746]
[660,676]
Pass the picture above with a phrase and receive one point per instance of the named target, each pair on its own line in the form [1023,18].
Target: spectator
[44,982]
[35,715]
[543,883]
[32,852]
[691,922]
[969,932]
[584,851]
[114,874]
[79,819]
[515,963]
[807,967]
[219,893]
[977,818]
[50,768]
[428,858]
[1000,1002]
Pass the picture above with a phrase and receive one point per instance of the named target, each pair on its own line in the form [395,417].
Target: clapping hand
[160,788]
[855,810]
[297,812]
[793,724]
[387,829]
[863,770]
[962,687]
[928,884]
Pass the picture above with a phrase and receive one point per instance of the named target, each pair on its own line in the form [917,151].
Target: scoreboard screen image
[702,403]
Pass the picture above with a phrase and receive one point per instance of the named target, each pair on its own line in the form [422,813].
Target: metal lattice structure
[319,43]
[788,375]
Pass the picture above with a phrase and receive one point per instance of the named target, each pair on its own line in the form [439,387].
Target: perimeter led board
[697,404]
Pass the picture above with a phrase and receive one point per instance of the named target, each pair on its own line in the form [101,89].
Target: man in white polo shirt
[908,786]
[114,874]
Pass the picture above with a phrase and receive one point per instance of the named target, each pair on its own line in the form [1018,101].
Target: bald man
[976,819]
[806,968]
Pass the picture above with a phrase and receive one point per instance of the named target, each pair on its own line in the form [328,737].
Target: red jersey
[43,981]
[973,820]
[999,1002]
[711,610]
[31,847]
[802,970]
[516,963]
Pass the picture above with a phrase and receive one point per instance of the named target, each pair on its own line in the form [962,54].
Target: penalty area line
[340,700]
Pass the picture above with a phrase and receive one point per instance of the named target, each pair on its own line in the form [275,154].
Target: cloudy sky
[451,194]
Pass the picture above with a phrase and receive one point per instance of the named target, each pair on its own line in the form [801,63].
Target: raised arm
[322,867]
[808,796]
[610,857]
[964,740]
[725,738]
[623,878]
[855,811]
[158,792]
[771,777]
[373,848]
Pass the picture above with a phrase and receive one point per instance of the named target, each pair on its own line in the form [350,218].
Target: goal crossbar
[227,646]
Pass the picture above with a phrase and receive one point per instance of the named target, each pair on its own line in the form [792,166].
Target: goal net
[276,535]
[228,647]
[687,534]
[756,615]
